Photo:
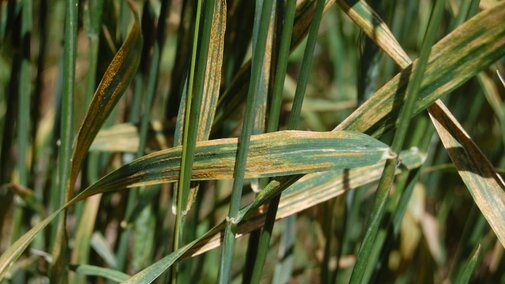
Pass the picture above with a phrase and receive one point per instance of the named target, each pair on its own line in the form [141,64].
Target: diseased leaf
[271,154]
[456,58]
[370,23]
[313,189]
[212,80]
[485,185]
[294,200]
[116,79]
[205,110]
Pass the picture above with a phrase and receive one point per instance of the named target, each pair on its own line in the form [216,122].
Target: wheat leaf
[456,58]
[273,154]
[116,79]
[485,185]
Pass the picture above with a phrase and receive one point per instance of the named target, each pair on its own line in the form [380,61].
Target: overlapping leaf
[271,154]
[293,201]
[456,58]
[315,189]
[485,185]
[468,34]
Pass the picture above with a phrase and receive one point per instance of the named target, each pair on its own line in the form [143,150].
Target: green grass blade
[282,65]
[233,95]
[478,174]
[23,121]
[59,266]
[264,86]
[469,267]
[211,83]
[379,207]
[308,56]
[107,273]
[311,190]
[212,79]
[260,109]
[192,111]
[23,115]
[69,57]
[293,122]
[243,149]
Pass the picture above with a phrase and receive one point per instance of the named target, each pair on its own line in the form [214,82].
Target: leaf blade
[454,59]
[254,217]
[485,185]
[271,154]
[116,79]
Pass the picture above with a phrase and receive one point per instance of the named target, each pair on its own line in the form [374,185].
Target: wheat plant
[236,141]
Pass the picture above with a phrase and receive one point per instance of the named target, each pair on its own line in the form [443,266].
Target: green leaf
[16,249]
[485,185]
[113,84]
[107,273]
[234,94]
[469,267]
